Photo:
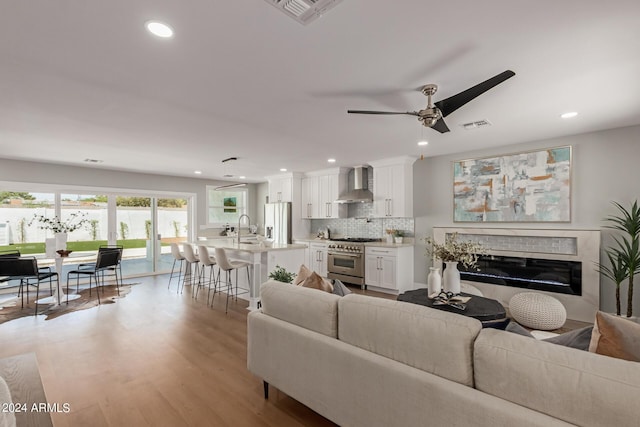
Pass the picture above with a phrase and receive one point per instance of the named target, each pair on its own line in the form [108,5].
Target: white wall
[605,168]
[32,172]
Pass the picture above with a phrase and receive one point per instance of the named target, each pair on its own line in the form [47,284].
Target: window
[225,206]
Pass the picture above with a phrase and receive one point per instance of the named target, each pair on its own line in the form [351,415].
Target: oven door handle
[343,254]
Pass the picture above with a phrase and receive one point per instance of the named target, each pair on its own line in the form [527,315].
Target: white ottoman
[537,311]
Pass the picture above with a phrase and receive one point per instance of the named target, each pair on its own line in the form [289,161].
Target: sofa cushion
[576,386]
[309,308]
[434,341]
[615,337]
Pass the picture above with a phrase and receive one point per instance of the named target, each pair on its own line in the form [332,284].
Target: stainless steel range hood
[360,193]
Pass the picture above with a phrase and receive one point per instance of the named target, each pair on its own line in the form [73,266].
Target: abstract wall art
[526,187]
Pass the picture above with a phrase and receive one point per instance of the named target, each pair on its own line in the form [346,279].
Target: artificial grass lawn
[38,247]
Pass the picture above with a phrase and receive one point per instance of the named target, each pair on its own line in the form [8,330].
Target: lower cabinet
[390,269]
[318,258]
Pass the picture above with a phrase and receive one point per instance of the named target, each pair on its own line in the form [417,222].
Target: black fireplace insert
[550,275]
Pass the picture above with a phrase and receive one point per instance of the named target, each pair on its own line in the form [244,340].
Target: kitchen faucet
[239,221]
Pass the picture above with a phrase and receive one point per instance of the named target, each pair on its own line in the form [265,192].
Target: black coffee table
[481,308]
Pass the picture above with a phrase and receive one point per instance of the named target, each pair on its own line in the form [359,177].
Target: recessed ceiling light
[93,161]
[283,169]
[421,143]
[198,172]
[569,115]
[331,160]
[159,29]
[242,177]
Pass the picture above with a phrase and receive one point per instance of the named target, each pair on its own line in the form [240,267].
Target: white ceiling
[83,79]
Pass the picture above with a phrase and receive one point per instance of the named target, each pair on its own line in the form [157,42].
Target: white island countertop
[247,247]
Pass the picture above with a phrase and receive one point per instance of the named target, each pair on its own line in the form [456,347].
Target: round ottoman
[537,311]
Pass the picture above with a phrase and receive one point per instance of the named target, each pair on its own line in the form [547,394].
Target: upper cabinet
[320,190]
[281,188]
[393,187]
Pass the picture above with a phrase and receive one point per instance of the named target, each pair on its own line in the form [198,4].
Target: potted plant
[624,257]
[398,235]
[281,275]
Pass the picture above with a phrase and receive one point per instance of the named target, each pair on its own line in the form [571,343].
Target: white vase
[389,238]
[61,241]
[434,281]
[398,239]
[50,247]
[451,278]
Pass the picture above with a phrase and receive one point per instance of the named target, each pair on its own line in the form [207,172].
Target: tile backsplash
[361,224]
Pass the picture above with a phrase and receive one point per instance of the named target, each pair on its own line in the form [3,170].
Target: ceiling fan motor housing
[428,117]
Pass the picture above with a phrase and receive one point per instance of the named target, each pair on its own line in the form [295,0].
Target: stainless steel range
[346,259]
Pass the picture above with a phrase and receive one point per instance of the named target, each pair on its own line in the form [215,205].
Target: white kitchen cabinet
[390,269]
[320,190]
[310,197]
[393,187]
[281,189]
[318,258]
[306,253]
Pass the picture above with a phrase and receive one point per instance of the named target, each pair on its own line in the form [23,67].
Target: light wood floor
[154,358]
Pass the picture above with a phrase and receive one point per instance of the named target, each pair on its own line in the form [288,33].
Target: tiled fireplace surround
[572,245]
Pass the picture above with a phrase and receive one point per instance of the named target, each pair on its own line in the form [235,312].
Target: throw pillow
[515,328]
[340,289]
[496,324]
[303,273]
[579,338]
[316,282]
[615,337]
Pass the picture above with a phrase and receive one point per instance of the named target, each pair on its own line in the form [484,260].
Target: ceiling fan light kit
[433,116]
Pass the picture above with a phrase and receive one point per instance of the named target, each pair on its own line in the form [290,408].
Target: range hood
[360,193]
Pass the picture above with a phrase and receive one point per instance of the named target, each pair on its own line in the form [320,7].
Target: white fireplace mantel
[585,250]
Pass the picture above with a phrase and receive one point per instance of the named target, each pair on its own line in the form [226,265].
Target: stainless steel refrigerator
[277,222]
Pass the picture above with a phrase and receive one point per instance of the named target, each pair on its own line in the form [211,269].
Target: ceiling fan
[433,115]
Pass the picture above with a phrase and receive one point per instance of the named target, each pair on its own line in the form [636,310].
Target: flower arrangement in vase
[452,252]
[75,221]
[390,234]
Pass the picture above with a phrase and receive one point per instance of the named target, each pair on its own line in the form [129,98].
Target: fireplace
[550,275]
[557,262]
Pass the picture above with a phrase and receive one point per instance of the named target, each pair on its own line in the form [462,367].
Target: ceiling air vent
[476,124]
[304,11]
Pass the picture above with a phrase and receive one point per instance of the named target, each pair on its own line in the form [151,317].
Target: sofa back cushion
[434,341]
[309,308]
[573,385]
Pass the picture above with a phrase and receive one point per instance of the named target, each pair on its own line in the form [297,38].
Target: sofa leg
[266,389]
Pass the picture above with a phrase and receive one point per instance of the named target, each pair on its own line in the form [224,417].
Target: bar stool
[227,266]
[177,256]
[191,258]
[207,261]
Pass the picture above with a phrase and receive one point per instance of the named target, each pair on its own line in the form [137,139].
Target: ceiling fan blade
[411,113]
[440,126]
[451,104]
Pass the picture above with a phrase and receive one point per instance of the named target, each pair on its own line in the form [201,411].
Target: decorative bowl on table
[63,252]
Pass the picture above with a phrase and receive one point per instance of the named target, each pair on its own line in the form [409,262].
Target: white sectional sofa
[365,361]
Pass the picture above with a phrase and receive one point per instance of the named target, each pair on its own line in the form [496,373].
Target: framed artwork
[230,204]
[533,186]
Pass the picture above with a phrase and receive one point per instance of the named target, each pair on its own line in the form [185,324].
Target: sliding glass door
[145,225]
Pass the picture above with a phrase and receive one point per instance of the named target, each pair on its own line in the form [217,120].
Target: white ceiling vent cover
[304,11]
[476,124]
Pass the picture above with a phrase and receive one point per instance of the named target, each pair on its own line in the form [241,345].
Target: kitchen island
[262,258]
